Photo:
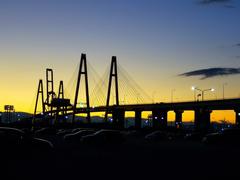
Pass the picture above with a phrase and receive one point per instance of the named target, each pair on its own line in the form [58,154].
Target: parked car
[11,136]
[229,136]
[16,138]
[194,136]
[104,137]
[75,137]
[157,136]
[46,131]
[76,130]
[63,132]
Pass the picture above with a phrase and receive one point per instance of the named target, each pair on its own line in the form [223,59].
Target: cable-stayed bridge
[109,96]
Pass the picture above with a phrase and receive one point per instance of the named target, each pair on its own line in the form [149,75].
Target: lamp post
[194,92]
[198,97]
[202,91]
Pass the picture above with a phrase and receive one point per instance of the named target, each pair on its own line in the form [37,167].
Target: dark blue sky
[155,40]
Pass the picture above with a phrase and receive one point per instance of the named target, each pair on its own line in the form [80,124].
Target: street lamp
[194,95]
[198,97]
[202,91]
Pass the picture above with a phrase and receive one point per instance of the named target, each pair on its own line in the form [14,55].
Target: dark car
[76,130]
[194,136]
[63,132]
[75,137]
[157,136]
[46,131]
[16,138]
[39,144]
[11,136]
[229,136]
[104,137]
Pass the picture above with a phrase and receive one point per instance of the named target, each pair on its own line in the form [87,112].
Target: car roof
[9,129]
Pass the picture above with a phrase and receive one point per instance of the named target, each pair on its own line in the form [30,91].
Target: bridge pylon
[113,74]
[82,71]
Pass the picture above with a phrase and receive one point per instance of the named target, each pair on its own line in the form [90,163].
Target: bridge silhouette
[56,106]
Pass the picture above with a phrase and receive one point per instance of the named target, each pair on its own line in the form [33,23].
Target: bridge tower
[82,71]
[117,114]
[39,92]
[113,73]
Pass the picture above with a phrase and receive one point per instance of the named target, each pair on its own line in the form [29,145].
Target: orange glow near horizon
[223,116]
[20,90]
[188,116]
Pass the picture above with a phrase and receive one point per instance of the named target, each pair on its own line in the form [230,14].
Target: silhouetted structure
[82,71]
[159,111]
[9,110]
[113,73]
[117,114]
[61,96]
[39,92]
[52,105]
[50,87]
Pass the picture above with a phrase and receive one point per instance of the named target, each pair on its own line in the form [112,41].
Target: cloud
[229,6]
[238,45]
[212,72]
[226,3]
[213,1]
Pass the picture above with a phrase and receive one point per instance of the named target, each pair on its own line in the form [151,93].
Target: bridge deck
[226,104]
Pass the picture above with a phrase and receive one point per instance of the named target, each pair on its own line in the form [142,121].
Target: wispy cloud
[225,3]
[229,6]
[212,72]
[238,45]
[213,1]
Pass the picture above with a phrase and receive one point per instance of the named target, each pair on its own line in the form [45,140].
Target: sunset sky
[161,43]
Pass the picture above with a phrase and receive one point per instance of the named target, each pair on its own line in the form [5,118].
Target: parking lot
[136,156]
